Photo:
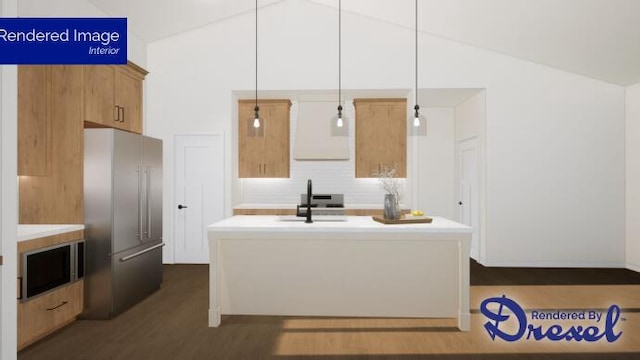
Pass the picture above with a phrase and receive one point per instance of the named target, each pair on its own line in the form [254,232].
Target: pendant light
[339,123]
[255,123]
[417,122]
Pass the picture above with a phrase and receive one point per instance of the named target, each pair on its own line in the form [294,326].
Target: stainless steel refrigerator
[123,220]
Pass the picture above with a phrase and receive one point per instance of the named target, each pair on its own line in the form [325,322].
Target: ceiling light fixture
[339,123]
[417,122]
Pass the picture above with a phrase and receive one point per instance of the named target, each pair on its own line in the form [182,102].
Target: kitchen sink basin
[322,218]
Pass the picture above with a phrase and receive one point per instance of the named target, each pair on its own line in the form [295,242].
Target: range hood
[313,140]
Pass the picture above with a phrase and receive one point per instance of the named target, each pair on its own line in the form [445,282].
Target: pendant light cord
[256,57]
[256,106]
[416,53]
[339,52]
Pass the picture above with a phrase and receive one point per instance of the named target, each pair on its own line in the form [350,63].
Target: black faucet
[308,221]
[307,213]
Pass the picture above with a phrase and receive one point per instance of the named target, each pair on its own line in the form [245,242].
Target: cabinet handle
[55,307]
[122,108]
[265,169]
[116,115]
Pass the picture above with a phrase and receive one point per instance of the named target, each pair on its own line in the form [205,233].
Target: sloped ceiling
[595,38]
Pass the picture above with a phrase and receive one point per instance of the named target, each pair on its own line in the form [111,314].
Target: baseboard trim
[553,264]
[633,267]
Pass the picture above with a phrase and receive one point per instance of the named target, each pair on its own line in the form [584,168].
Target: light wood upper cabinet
[265,156]
[129,99]
[381,136]
[34,120]
[55,197]
[113,96]
[99,95]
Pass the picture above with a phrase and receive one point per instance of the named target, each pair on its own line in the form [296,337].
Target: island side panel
[464,313]
[339,277]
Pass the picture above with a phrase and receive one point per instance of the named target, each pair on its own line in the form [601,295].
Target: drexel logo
[509,314]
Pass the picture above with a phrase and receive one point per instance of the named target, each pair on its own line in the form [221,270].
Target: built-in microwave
[48,268]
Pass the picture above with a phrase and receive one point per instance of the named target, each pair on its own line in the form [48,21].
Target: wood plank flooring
[172,324]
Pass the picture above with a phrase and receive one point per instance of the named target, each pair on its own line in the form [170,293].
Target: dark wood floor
[172,324]
[481,275]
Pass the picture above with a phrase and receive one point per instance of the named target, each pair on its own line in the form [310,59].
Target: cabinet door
[276,151]
[129,100]
[99,90]
[266,155]
[380,136]
[34,120]
[250,154]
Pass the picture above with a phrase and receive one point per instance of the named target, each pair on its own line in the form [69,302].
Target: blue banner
[63,41]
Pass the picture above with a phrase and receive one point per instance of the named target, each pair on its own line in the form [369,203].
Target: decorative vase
[391,208]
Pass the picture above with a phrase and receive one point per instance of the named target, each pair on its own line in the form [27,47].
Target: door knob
[180,207]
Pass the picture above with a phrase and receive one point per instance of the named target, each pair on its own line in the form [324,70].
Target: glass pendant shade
[339,124]
[417,125]
[255,124]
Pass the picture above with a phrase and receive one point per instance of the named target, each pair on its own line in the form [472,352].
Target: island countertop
[270,224]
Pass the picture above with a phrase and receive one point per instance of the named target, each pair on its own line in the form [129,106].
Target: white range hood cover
[313,140]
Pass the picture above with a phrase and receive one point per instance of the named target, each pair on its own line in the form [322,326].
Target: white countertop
[351,224]
[293,206]
[34,231]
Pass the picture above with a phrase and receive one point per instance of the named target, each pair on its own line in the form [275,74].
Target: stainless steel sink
[319,218]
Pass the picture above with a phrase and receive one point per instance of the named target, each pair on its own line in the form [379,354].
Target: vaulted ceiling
[595,38]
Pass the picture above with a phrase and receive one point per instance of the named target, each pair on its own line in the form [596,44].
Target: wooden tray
[403,220]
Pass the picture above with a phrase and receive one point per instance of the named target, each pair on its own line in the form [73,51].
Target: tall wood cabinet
[264,153]
[113,96]
[34,125]
[381,136]
[50,147]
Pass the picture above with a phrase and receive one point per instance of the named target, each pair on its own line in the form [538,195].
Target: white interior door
[199,189]
[468,190]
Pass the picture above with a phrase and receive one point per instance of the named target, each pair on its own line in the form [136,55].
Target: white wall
[136,47]
[633,176]
[9,198]
[435,172]
[555,140]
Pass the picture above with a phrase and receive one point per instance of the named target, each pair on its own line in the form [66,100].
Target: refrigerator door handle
[139,228]
[141,252]
[147,172]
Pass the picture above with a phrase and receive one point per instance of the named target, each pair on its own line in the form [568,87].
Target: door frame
[174,200]
[475,143]
[8,199]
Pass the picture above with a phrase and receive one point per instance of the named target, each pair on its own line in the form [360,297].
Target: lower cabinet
[49,312]
[42,312]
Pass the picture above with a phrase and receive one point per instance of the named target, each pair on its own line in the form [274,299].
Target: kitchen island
[271,265]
